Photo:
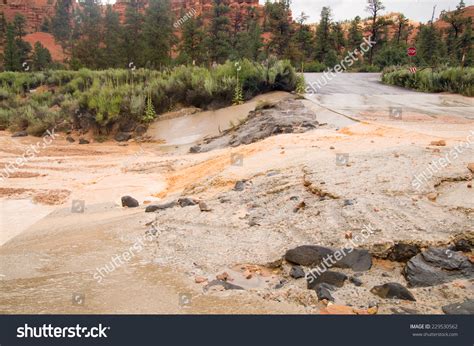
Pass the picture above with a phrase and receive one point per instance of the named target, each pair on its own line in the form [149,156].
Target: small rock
[200,279]
[329,277]
[462,245]
[464,308]
[469,186]
[123,136]
[280,284]
[432,196]
[393,290]
[323,291]
[348,235]
[20,134]
[440,143]
[332,148]
[403,252]
[70,139]
[247,274]
[355,281]
[300,206]
[83,141]
[470,166]
[195,149]
[129,202]
[313,255]
[187,202]
[223,276]
[297,272]
[348,202]
[203,207]
[240,185]
[155,207]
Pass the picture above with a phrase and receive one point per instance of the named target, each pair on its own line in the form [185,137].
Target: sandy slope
[58,256]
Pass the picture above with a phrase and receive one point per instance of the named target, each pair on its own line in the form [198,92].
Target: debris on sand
[287,116]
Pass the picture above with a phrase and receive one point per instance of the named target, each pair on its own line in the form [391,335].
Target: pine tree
[19,31]
[429,46]
[218,42]
[374,7]
[112,45]
[249,40]
[304,39]
[458,24]
[158,33]
[11,56]
[355,37]
[278,25]
[192,42]
[133,42]
[61,21]
[86,49]
[41,58]
[324,50]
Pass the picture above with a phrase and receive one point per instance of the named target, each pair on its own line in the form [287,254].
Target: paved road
[363,96]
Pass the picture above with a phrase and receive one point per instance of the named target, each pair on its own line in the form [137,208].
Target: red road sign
[411,51]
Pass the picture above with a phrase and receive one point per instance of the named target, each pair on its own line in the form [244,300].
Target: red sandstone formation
[34,11]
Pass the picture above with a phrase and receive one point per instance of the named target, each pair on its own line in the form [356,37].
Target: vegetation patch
[451,79]
[114,99]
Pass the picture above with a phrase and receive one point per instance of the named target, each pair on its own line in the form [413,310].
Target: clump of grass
[453,79]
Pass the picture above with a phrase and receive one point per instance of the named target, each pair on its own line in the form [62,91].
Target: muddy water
[190,129]
[18,215]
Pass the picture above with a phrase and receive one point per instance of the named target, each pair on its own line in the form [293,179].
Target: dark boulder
[297,272]
[328,277]
[155,207]
[462,245]
[20,134]
[187,202]
[140,130]
[393,290]
[70,139]
[464,308]
[436,266]
[129,202]
[313,255]
[403,252]
[83,141]
[123,136]
[195,149]
[323,291]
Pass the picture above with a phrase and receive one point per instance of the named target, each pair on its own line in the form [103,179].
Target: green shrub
[454,79]
[115,95]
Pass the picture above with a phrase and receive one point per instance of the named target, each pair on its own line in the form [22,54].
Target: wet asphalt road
[360,94]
